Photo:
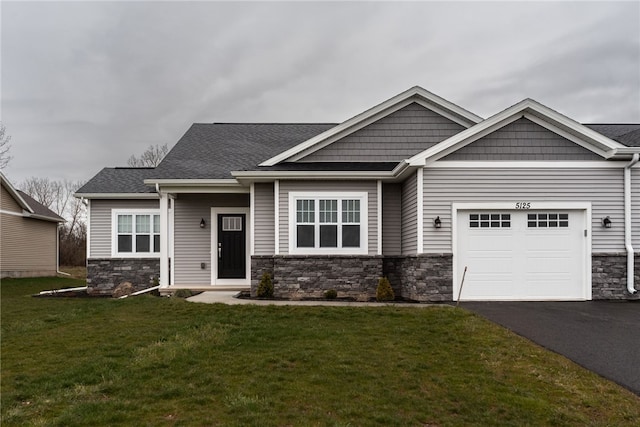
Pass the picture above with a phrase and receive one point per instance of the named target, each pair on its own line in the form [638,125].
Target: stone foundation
[609,276]
[298,277]
[427,277]
[105,274]
[421,278]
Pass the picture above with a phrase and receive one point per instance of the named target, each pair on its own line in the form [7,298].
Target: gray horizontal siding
[264,225]
[602,187]
[399,135]
[635,210]
[192,244]
[100,222]
[523,140]
[338,186]
[410,216]
[391,219]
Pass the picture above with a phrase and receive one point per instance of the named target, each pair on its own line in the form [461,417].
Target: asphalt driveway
[602,336]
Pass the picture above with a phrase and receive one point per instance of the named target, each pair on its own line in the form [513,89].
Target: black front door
[232,246]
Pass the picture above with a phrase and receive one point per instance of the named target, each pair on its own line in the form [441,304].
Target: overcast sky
[87,84]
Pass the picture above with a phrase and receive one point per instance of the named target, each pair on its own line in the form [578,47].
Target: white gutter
[627,223]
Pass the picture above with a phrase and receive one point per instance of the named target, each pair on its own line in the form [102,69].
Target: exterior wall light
[606,222]
[202,223]
[437,223]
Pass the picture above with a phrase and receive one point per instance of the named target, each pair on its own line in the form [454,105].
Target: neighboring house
[532,204]
[28,235]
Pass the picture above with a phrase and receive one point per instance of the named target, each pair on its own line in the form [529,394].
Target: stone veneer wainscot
[105,274]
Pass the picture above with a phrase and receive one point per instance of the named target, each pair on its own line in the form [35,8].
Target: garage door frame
[521,206]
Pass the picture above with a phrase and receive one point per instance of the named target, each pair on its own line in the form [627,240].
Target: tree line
[58,196]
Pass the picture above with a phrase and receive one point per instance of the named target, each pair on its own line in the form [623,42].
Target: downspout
[627,223]
[58,251]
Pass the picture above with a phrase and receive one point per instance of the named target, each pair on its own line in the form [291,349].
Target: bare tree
[4,147]
[58,196]
[150,158]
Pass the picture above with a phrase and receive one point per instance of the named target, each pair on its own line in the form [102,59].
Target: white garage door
[521,255]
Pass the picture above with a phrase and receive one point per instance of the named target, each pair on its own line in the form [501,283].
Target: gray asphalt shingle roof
[212,151]
[38,208]
[627,134]
[118,180]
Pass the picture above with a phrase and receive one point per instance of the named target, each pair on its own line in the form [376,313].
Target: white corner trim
[379,214]
[164,240]
[420,210]
[252,212]
[276,216]
[88,241]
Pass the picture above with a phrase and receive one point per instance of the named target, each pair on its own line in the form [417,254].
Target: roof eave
[116,195]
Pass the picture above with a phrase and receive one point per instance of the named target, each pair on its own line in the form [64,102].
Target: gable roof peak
[414,94]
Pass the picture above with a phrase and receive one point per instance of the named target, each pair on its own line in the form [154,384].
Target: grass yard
[165,361]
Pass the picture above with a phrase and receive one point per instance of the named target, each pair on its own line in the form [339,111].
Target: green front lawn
[165,361]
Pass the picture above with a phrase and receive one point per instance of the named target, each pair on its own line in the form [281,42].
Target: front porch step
[205,288]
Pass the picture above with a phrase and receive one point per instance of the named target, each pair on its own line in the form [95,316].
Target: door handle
[219,250]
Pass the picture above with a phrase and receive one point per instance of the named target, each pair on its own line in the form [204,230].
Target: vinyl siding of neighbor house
[100,222]
[522,140]
[391,219]
[410,216]
[28,246]
[264,225]
[399,135]
[192,244]
[602,187]
[635,209]
[8,203]
[338,186]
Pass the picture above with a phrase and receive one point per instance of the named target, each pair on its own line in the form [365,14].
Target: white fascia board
[10,188]
[90,196]
[273,175]
[529,108]
[514,164]
[401,100]
[44,218]
[198,185]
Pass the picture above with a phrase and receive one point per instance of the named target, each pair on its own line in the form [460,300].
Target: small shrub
[265,288]
[331,294]
[183,293]
[384,291]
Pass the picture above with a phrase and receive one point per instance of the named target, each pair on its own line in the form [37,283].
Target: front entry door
[232,246]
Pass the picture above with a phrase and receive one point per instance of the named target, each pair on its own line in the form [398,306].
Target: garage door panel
[533,256]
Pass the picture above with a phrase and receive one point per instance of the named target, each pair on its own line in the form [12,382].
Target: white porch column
[164,240]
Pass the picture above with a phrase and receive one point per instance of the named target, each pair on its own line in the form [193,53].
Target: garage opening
[522,255]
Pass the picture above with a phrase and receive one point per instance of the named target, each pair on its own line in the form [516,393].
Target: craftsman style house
[527,204]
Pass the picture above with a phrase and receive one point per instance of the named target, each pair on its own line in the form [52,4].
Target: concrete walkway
[229,297]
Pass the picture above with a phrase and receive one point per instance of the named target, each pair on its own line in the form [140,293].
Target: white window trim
[114,233]
[316,195]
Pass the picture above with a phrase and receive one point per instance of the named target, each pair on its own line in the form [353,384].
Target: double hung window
[136,233]
[328,223]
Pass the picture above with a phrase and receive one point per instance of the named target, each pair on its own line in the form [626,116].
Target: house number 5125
[523,205]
